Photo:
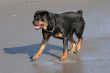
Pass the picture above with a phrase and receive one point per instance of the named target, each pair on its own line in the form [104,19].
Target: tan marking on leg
[79,44]
[39,52]
[42,46]
[73,48]
[64,57]
[58,35]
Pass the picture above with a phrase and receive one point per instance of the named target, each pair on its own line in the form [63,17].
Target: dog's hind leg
[79,44]
[73,43]
[65,46]
[79,32]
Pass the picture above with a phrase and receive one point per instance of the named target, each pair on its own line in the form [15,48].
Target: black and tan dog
[61,26]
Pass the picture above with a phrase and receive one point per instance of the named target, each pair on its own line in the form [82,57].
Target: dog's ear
[40,12]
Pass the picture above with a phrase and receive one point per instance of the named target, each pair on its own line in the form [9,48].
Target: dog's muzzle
[38,24]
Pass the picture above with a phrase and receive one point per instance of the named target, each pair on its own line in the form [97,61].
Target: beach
[19,40]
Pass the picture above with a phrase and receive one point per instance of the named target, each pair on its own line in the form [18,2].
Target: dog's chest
[58,35]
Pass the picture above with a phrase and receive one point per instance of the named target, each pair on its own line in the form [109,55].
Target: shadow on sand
[30,50]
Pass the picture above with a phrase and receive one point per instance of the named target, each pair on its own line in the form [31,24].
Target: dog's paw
[32,59]
[63,58]
[70,52]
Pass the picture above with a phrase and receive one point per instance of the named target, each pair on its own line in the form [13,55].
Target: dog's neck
[51,31]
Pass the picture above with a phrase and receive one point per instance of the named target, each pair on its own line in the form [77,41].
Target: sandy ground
[19,40]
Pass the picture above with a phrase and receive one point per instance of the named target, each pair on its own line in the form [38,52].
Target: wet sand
[19,40]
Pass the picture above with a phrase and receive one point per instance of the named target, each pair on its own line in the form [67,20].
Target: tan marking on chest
[58,35]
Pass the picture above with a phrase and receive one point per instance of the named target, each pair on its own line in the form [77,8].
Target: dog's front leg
[65,46]
[42,47]
[39,52]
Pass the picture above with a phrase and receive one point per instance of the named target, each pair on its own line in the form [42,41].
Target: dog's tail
[80,12]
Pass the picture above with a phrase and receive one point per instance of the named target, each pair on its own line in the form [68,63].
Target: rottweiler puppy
[61,26]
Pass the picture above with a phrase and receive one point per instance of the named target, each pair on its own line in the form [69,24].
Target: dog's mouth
[38,25]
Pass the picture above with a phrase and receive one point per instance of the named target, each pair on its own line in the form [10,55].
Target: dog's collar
[52,31]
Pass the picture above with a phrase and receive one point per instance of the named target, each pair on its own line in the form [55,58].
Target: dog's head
[43,20]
